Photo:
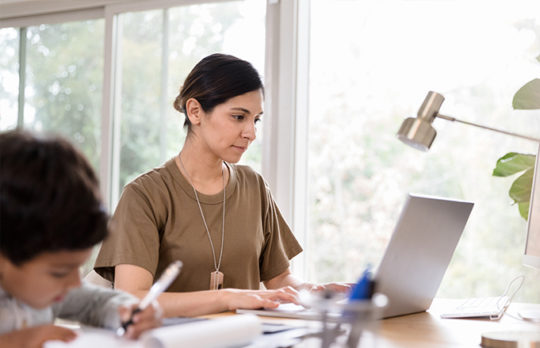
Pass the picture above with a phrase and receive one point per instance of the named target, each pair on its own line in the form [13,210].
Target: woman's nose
[250,131]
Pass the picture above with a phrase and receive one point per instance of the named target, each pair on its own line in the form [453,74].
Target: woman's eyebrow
[245,110]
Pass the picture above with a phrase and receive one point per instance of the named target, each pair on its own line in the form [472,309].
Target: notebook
[415,260]
[419,251]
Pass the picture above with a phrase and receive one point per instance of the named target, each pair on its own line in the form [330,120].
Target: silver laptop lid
[419,252]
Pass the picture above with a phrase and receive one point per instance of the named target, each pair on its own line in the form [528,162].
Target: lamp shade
[418,132]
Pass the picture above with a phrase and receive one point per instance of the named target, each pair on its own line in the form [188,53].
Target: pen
[161,285]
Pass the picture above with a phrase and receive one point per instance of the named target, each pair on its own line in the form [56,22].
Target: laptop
[419,251]
[415,260]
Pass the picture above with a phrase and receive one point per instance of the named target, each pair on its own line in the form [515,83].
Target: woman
[218,218]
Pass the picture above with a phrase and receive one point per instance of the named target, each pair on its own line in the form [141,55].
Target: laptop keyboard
[479,307]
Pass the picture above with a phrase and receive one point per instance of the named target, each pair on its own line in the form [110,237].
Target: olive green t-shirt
[157,221]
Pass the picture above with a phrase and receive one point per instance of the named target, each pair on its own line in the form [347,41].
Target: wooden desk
[428,329]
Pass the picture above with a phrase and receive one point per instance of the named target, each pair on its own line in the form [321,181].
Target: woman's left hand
[147,319]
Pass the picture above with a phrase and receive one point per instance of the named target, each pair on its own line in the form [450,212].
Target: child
[50,218]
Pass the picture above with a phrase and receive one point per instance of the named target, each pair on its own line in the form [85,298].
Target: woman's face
[230,127]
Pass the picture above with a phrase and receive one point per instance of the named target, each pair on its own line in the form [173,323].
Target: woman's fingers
[286,294]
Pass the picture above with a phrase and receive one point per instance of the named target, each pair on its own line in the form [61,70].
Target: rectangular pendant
[216,280]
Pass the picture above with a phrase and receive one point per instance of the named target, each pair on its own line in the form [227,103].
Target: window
[63,79]
[64,69]
[151,130]
[369,69]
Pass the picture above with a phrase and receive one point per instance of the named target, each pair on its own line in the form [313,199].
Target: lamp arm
[453,119]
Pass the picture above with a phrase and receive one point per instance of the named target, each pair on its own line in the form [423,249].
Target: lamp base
[511,339]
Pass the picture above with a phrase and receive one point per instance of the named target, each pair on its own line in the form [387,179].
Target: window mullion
[22,77]
[163,105]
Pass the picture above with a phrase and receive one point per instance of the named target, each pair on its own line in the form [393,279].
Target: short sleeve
[134,235]
[280,243]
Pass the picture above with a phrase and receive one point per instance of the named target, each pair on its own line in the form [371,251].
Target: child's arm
[98,306]
[36,336]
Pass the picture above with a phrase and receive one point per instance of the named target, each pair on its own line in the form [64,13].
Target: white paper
[228,331]
[222,332]
[95,338]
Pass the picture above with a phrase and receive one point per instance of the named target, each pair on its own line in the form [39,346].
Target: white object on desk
[479,307]
[222,332]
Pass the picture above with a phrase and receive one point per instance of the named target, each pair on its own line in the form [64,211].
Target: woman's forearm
[189,304]
[192,304]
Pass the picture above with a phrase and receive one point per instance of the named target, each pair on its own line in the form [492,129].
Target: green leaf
[520,191]
[513,163]
[524,209]
[528,96]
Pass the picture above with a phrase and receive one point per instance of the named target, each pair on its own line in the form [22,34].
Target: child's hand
[147,319]
[36,336]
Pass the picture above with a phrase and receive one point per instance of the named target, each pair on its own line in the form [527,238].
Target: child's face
[45,279]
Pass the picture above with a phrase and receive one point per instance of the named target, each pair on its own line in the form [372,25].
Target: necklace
[216,277]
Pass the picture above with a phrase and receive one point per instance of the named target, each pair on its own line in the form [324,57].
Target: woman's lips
[240,148]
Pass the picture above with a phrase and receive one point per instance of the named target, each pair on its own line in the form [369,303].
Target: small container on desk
[357,316]
[362,315]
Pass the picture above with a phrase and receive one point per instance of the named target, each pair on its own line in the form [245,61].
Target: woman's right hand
[36,336]
[251,299]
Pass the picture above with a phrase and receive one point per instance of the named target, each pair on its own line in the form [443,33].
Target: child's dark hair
[49,198]
[216,79]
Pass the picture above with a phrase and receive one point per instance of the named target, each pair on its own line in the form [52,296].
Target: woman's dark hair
[216,79]
[49,198]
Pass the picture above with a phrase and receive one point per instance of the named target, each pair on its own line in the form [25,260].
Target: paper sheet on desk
[223,332]
[92,338]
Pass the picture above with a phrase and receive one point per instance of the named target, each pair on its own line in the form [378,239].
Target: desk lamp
[419,133]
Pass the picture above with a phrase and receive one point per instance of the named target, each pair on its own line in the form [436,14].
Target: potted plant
[526,98]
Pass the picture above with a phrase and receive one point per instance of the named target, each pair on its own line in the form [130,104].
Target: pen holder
[362,316]
[357,316]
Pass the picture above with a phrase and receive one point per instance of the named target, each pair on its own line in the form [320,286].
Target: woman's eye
[238,117]
[59,274]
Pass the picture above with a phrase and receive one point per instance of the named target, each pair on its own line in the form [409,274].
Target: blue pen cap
[363,289]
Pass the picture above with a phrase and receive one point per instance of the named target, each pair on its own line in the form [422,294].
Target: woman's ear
[194,111]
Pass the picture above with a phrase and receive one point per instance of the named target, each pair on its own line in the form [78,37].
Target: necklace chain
[217,264]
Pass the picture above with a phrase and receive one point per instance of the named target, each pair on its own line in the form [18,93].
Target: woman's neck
[206,173]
